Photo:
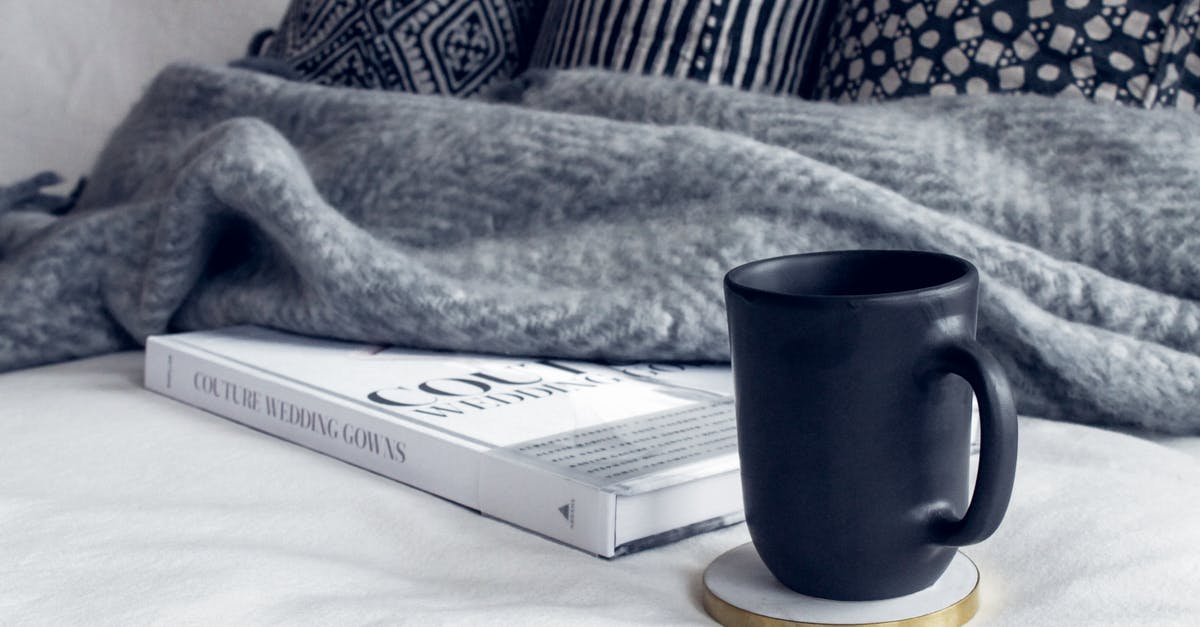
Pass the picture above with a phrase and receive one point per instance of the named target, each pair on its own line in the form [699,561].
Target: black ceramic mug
[854,418]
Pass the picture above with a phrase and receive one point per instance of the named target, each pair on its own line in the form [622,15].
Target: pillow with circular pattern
[1139,52]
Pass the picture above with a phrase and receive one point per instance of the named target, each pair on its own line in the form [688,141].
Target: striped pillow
[762,45]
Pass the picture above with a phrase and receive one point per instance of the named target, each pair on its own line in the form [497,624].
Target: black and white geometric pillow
[761,45]
[451,47]
[1139,52]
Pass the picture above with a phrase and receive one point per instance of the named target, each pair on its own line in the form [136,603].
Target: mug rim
[968,275]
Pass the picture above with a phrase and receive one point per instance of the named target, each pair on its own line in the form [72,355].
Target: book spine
[304,416]
[551,504]
[580,515]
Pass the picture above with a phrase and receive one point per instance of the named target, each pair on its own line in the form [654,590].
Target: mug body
[848,444]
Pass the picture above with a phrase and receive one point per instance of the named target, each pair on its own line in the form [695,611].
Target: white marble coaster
[740,590]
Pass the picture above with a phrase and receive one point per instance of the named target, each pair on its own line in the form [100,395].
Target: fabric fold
[592,215]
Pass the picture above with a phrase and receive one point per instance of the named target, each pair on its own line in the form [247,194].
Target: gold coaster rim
[729,615]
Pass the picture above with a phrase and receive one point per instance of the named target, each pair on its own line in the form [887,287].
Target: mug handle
[968,359]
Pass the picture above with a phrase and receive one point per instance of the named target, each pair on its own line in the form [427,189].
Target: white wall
[70,69]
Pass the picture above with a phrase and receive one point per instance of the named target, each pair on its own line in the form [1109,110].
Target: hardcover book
[607,458]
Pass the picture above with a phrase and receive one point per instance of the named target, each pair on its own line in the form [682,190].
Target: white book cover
[606,458]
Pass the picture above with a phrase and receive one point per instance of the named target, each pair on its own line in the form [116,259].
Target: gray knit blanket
[592,215]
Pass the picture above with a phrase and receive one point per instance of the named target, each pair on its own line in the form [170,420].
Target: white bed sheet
[118,506]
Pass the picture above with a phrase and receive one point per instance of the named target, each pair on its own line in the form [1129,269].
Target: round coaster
[739,590]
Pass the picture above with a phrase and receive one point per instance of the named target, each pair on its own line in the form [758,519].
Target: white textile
[118,506]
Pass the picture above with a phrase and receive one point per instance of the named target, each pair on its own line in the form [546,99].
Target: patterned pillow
[1133,51]
[764,45]
[426,46]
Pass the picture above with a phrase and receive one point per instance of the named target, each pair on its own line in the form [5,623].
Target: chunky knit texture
[592,215]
